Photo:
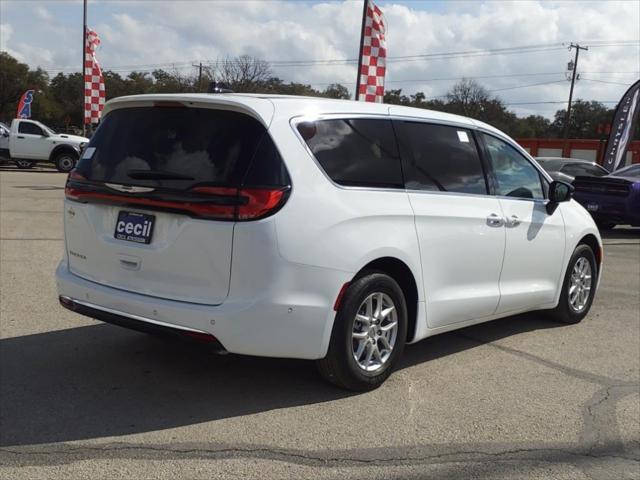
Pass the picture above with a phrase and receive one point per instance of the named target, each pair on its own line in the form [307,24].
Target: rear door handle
[494,220]
[513,221]
[19,136]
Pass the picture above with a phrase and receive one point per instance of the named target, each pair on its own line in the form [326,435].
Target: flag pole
[84,43]
[364,20]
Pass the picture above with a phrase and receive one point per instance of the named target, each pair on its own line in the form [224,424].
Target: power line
[603,81]
[528,85]
[554,102]
[523,49]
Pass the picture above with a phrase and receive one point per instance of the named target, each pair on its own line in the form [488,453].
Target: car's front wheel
[579,286]
[368,334]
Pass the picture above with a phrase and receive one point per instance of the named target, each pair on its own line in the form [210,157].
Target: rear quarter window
[355,152]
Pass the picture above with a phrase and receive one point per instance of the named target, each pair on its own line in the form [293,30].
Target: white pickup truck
[29,141]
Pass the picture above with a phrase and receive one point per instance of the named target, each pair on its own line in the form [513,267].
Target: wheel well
[401,273]
[62,148]
[591,241]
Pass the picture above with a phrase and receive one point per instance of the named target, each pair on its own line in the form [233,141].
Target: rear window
[355,152]
[180,147]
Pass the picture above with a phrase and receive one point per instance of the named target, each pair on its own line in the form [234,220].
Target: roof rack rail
[218,87]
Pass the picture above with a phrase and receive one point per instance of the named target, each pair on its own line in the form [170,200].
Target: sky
[176,34]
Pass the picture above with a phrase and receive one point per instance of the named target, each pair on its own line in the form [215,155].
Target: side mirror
[558,192]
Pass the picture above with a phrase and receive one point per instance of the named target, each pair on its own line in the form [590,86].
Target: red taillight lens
[226,203]
[260,202]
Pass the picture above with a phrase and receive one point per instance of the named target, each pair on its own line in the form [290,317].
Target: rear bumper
[293,320]
[140,324]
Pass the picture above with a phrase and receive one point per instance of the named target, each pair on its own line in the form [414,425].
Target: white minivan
[318,229]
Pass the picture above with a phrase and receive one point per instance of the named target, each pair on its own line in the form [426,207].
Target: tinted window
[632,171]
[187,146]
[583,169]
[355,152]
[438,157]
[515,176]
[29,128]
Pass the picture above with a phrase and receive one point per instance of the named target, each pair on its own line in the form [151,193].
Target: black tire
[65,161]
[339,366]
[605,225]
[24,164]
[565,312]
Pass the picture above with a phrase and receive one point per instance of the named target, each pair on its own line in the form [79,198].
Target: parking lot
[521,397]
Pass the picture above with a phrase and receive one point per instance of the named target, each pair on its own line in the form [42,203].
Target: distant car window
[355,152]
[631,171]
[439,157]
[515,175]
[29,128]
[584,169]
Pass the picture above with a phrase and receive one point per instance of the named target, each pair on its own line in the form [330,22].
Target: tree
[15,79]
[336,90]
[243,73]
[67,92]
[585,117]
[468,97]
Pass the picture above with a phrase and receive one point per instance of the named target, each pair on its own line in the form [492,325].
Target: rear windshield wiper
[157,175]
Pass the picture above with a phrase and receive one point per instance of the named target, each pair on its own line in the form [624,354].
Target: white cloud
[144,33]
[6,30]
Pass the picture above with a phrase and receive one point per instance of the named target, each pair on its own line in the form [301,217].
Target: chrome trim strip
[133,317]
[129,188]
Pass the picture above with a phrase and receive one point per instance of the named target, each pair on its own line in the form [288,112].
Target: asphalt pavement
[520,397]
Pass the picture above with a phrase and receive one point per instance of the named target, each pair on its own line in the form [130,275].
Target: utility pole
[199,76]
[84,47]
[573,81]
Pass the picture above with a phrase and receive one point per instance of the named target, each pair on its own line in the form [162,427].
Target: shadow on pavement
[621,233]
[7,167]
[101,380]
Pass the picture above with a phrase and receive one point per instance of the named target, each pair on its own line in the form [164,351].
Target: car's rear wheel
[24,164]
[579,286]
[65,162]
[368,334]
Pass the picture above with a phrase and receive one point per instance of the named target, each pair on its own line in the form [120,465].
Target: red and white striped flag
[373,57]
[94,92]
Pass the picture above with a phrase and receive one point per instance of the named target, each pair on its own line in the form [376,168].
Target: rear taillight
[260,202]
[214,203]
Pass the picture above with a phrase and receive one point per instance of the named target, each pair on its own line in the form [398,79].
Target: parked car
[613,199]
[317,229]
[566,169]
[4,141]
[29,141]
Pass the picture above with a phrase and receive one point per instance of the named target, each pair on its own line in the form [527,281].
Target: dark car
[613,199]
[566,169]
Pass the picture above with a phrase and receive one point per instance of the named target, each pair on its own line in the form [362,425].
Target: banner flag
[24,105]
[94,92]
[373,55]
[622,128]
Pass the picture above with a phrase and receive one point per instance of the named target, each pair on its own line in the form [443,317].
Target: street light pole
[573,81]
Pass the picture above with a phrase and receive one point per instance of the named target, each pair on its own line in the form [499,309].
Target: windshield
[47,129]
